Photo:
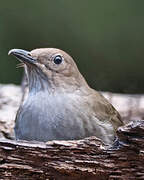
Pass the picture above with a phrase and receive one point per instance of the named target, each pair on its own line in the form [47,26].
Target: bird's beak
[22,55]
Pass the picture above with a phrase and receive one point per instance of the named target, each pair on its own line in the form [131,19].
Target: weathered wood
[84,159]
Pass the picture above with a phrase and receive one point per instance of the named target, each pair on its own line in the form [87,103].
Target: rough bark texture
[86,159]
[76,160]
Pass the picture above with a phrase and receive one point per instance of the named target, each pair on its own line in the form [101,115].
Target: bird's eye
[58,59]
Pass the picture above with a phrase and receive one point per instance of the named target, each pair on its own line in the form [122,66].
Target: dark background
[106,38]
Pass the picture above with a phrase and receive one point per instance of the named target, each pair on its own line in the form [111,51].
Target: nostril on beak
[29,54]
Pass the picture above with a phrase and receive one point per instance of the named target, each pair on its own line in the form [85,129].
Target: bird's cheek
[46,71]
[41,67]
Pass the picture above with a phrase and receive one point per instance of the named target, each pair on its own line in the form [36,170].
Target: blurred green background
[106,38]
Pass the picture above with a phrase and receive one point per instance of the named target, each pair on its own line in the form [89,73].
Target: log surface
[86,159]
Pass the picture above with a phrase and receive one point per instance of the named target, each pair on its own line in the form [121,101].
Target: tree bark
[74,160]
[86,159]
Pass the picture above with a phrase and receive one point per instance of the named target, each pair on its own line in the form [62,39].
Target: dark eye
[58,59]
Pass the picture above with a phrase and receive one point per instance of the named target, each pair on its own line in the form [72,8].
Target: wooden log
[86,159]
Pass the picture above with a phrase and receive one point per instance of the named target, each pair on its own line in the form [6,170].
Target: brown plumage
[60,104]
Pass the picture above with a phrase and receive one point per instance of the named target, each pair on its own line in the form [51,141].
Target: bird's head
[50,67]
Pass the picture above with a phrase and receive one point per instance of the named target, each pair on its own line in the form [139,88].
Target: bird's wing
[105,111]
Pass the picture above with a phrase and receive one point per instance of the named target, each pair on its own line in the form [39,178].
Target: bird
[60,104]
